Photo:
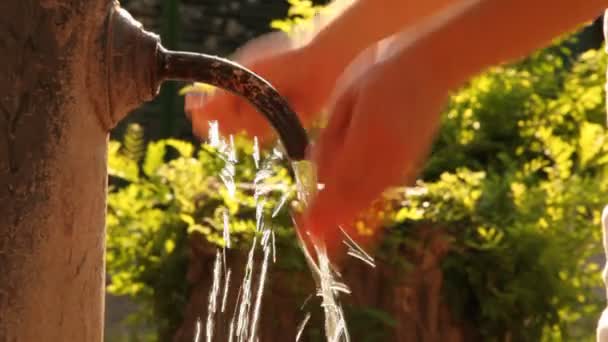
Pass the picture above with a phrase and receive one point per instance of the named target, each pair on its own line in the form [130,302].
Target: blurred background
[499,241]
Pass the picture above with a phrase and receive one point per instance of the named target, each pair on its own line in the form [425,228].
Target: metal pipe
[230,76]
[139,63]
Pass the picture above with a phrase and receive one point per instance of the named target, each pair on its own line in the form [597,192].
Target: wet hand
[380,129]
[300,75]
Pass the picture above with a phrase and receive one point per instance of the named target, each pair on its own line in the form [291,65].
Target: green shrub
[518,178]
[175,190]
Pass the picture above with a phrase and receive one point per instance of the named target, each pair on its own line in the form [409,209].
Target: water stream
[245,315]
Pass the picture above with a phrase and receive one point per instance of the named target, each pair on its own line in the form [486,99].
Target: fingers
[332,206]
[287,69]
[339,206]
[193,108]
[332,137]
[361,153]
[266,46]
[209,108]
[234,115]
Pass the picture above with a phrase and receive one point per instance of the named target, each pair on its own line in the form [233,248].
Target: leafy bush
[518,178]
[176,189]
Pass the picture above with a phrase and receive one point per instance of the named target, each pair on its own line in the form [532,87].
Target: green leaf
[184,148]
[282,25]
[197,228]
[591,141]
[201,88]
[155,155]
[121,166]
[169,246]
[189,220]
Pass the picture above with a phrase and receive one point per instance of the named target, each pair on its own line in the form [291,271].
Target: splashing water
[302,326]
[213,295]
[328,288]
[246,314]
[355,251]
[245,318]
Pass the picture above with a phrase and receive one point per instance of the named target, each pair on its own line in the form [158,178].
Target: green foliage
[518,179]
[300,13]
[176,190]
[133,145]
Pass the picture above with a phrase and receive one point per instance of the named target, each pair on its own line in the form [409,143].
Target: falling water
[213,296]
[245,316]
[328,288]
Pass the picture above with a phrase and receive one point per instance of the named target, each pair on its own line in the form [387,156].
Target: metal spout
[230,76]
[138,64]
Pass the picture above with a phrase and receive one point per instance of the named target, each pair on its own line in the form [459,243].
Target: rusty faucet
[140,64]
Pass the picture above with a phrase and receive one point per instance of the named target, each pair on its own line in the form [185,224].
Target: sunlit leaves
[155,157]
[120,165]
[518,176]
[591,143]
[300,12]
[173,191]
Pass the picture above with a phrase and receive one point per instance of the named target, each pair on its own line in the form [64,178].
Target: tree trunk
[55,114]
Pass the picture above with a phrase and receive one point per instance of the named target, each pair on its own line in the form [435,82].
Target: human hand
[300,74]
[380,129]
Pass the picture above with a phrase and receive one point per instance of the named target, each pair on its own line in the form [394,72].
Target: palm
[291,72]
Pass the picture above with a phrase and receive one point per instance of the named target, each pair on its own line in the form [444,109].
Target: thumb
[329,214]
